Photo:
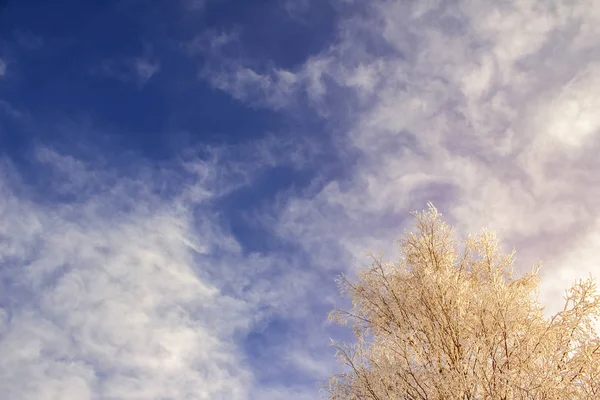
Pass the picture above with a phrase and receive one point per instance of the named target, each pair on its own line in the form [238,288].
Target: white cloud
[112,303]
[272,90]
[2,67]
[572,116]
[227,70]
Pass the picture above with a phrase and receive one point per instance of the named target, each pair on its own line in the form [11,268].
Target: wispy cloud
[137,70]
[118,288]
[226,68]
[145,68]
[2,67]
[28,40]
[106,299]
[194,5]
[297,8]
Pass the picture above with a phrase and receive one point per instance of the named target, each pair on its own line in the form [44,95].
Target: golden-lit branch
[444,323]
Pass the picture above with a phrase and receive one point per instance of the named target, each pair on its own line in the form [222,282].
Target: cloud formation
[126,280]
[485,109]
[502,135]
[105,298]
[124,283]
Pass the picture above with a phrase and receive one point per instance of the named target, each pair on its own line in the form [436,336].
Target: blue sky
[181,181]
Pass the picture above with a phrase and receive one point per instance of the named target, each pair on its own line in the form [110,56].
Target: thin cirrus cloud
[224,69]
[137,70]
[129,282]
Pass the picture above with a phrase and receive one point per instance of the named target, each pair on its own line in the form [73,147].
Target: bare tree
[449,321]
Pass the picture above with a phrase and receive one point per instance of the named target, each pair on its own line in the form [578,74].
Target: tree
[449,321]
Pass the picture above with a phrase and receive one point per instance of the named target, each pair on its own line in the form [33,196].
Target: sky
[182,180]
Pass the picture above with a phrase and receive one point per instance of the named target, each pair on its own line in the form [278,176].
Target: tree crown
[450,321]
